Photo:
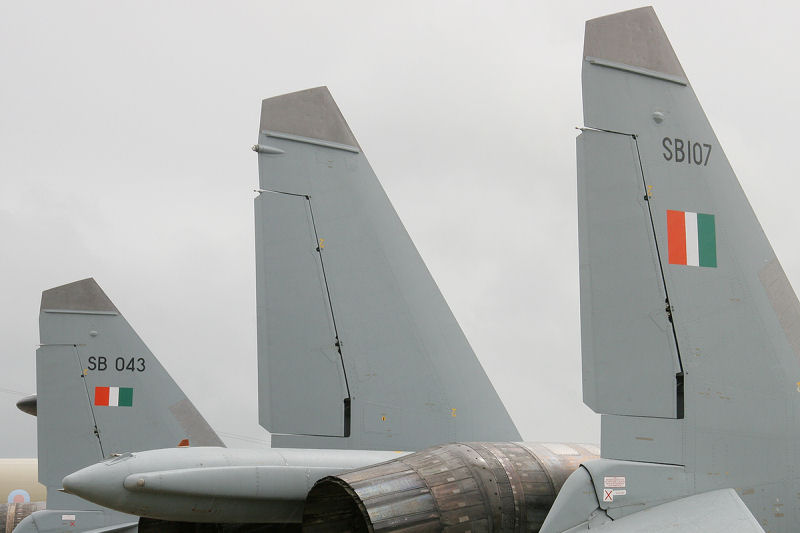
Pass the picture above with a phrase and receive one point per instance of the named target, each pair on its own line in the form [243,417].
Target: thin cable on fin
[679,376]
[590,128]
[259,191]
[333,319]
[89,400]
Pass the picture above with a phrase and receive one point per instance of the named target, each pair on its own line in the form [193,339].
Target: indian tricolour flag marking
[692,239]
[113,396]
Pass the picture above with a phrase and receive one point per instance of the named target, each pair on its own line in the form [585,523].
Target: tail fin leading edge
[357,347]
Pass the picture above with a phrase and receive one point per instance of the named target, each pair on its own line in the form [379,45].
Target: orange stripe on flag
[101,395]
[676,237]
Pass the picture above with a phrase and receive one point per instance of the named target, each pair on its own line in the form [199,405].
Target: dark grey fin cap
[83,295]
[27,404]
[633,38]
[309,113]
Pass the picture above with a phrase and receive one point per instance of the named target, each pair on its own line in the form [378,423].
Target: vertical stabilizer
[356,346]
[100,390]
[690,328]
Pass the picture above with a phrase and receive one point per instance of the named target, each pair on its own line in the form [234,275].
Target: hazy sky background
[124,155]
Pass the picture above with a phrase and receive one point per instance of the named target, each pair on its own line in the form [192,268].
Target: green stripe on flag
[706,241]
[125,397]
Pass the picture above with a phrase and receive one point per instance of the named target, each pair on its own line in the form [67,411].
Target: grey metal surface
[576,503]
[300,329]
[57,521]
[83,295]
[364,297]
[215,485]
[638,485]
[783,300]
[27,404]
[310,113]
[85,344]
[659,440]
[477,486]
[617,489]
[719,511]
[82,351]
[621,286]
[735,317]
[195,427]
[637,39]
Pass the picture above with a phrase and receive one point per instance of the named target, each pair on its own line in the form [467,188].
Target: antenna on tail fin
[357,348]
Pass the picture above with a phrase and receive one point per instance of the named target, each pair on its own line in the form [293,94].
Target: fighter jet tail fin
[356,345]
[100,390]
[690,328]
[686,312]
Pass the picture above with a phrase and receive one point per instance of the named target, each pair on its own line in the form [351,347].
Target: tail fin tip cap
[83,295]
[310,113]
[634,38]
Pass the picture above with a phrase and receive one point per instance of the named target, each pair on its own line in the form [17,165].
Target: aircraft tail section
[100,391]
[690,328]
[357,348]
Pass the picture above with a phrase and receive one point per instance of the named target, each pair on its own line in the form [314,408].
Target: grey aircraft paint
[413,378]
[689,326]
[86,348]
[716,418]
[347,307]
[215,485]
[711,444]
[86,344]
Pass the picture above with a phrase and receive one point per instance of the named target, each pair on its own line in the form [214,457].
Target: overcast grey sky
[124,155]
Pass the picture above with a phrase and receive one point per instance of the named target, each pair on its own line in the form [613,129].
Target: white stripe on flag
[692,251]
[113,395]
